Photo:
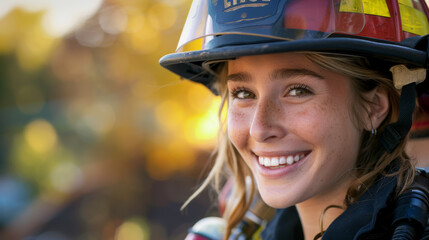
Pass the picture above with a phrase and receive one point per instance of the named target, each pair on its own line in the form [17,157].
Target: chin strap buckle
[403,76]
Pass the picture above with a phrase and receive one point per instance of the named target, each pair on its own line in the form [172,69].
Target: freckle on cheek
[234,119]
[236,127]
[324,105]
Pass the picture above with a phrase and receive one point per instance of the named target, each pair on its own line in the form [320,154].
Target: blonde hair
[372,163]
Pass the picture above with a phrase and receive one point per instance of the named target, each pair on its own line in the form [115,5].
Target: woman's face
[291,121]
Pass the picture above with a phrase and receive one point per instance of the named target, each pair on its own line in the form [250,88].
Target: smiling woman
[318,114]
[290,119]
[294,121]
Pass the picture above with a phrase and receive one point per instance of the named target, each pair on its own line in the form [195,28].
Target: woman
[314,118]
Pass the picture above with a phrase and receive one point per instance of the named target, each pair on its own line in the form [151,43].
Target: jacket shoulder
[425,235]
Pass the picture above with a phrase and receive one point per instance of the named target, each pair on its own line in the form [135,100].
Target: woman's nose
[267,123]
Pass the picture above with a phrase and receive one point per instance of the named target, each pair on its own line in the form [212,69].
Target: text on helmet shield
[231,12]
[232,5]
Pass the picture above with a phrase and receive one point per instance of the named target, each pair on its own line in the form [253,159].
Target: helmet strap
[405,79]
[395,132]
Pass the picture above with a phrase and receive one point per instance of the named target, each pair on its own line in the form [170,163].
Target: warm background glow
[98,141]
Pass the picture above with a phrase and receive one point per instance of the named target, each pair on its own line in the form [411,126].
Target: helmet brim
[189,65]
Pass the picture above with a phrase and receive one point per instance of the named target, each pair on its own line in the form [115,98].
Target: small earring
[374,131]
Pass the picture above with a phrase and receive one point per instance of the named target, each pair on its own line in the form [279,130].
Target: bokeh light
[113,19]
[202,130]
[133,229]
[66,177]
[99,141]
[162,15]
[63,16]
[141,36]
[41,136]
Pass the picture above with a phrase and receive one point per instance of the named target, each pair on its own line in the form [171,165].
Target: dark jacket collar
[366,218]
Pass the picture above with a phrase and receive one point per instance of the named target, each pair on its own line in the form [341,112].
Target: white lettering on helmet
[232,5]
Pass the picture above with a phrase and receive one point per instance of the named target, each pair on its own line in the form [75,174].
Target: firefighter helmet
[391,30]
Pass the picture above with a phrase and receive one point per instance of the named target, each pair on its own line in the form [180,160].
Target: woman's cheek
[308,121]
[238,127]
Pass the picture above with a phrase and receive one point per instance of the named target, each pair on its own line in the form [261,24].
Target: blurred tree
[98,141]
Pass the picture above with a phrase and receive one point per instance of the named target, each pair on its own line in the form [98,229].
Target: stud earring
[374,131]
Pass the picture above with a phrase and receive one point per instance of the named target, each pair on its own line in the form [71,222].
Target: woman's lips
[277,166]
[281,160]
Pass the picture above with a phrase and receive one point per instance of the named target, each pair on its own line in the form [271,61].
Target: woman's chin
[276,201]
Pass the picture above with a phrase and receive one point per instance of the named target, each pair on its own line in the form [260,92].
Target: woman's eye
[242,94]
[299,91]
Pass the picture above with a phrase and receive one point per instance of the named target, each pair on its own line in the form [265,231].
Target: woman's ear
[378,107]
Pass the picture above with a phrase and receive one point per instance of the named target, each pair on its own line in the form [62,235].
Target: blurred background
[97,140]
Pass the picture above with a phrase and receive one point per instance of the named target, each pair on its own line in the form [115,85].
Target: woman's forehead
[275,65]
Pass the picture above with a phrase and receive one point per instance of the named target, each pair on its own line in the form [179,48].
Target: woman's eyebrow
[277,74]
[293,72]
[238,77]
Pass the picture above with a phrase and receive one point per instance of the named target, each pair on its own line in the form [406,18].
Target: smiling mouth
[281,161]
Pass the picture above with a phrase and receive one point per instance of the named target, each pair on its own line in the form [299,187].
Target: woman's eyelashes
[295,90]
[298,90]
[241,93]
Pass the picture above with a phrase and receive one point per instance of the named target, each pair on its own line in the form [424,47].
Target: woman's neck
[310,218]
[311,210]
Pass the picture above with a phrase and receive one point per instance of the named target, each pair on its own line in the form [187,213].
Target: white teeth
[289,160]
[267,162]
[296,159]
[276,161]
[261,160]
